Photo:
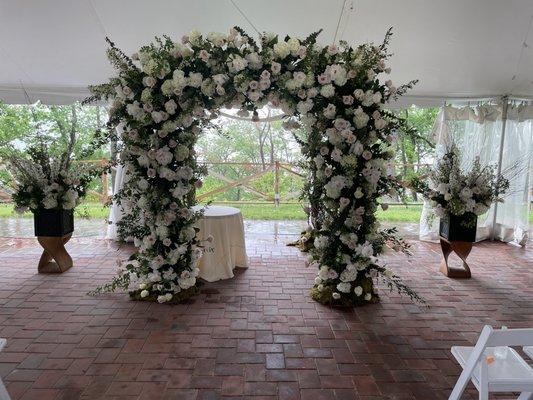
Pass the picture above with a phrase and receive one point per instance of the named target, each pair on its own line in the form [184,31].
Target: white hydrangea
[344,287]
[327,90]
[334,186]
[321,242]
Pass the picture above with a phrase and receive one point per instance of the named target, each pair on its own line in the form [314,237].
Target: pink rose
[348,100]
[204,55]
[367,155]
[302,51]
[332,49]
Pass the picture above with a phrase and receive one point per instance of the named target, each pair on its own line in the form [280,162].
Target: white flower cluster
[49,183]
[339,104]
[452,191]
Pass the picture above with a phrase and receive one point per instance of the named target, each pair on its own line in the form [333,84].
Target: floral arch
[166,93]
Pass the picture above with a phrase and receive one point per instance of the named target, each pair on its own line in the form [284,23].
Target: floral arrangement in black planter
[50,184]
[458,197]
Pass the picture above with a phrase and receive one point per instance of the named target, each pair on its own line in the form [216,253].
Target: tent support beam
[505,101]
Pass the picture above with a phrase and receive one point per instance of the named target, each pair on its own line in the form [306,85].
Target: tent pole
[500,157]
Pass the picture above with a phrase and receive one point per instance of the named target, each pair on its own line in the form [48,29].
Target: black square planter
[459,228]
[54,223]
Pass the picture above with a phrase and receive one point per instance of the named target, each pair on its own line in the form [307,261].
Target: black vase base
[458,228]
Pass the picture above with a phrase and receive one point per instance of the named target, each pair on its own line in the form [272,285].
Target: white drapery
[115,213]
[477,132]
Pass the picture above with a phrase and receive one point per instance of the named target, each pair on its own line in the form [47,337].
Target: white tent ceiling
[53,49]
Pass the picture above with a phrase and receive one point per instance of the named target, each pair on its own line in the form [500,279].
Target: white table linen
[227,250]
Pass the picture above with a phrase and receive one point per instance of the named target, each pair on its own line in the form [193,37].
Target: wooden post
[276,185]
[105,184]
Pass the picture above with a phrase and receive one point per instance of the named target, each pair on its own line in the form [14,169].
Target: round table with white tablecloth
[227,250]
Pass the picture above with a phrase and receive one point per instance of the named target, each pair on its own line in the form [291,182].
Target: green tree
[23,126]
[259,143]
[415,148]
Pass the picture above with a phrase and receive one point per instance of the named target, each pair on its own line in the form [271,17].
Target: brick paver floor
[258,335]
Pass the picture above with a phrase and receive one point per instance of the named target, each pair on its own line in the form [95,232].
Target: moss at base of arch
[325,296]
[177,298]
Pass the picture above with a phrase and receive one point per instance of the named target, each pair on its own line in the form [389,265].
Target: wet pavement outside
[282,231]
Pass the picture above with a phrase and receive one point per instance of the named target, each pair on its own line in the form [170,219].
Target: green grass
[400,213]
[295,212]
[270,212]
[85,210]
[396,213]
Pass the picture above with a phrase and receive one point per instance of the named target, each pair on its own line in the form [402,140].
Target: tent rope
[101,26]
[245,16]
[351,9]
[521,55]
[339,21]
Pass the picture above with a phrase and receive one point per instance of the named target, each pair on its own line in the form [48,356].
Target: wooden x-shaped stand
[462,249]
[54,249]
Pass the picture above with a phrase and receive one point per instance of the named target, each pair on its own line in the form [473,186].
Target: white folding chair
[4,395]
[490,374]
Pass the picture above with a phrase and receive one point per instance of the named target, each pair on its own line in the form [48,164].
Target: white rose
[164,156]
[157,116]
[380,124]
[195,79]
[171,106]
[281,50]
[358,94]
[294,45]
[194,37]
[149,81]
[239,63]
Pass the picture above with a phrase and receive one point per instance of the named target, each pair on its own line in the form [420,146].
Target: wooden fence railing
[245,182]
[104,194]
